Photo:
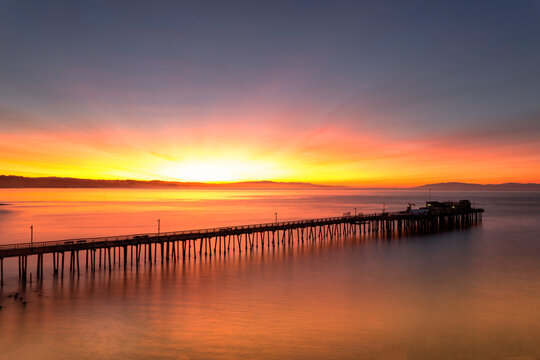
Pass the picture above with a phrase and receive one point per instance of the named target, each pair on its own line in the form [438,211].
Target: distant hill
[469,186]
[9,181]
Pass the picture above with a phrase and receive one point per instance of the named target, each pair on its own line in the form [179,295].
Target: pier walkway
[137,249]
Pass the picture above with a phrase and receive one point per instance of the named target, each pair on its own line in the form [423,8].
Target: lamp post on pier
[31,235]
[158,226]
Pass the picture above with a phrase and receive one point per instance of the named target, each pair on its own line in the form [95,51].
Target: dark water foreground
[472,294]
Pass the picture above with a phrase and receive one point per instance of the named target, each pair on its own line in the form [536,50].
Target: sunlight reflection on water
[468,294]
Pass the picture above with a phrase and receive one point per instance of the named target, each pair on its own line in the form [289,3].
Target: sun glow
[221,170]
[333,155]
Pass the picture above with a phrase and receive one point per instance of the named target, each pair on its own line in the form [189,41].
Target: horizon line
[270,182]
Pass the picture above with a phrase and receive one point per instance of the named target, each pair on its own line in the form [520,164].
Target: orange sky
[329,93]
[329,154]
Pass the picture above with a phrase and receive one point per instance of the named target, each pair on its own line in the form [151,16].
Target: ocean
[469,294]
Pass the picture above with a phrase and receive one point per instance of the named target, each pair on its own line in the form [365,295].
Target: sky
[386,93]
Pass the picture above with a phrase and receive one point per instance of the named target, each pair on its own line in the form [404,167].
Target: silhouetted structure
[142,248]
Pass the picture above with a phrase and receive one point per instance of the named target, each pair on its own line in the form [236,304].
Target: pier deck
[105,251]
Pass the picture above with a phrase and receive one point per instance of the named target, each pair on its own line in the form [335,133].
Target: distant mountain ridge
[11,181]
[470,186]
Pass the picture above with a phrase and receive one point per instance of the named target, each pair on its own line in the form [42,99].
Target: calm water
[465,294]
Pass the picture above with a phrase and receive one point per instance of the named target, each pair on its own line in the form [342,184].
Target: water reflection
[469,294]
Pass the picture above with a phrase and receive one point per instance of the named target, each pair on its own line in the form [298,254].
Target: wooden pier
[141,249]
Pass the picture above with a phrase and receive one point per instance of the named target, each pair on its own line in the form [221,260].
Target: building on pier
[437,207]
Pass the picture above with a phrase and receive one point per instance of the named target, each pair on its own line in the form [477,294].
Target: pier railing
[140,247]
[223,229]
[215,230]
